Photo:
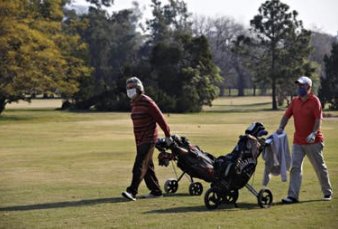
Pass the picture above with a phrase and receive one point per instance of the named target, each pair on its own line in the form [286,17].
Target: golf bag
[190,159]
[233,171]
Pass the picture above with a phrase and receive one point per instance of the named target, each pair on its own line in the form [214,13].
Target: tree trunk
[222,90]
[240,79]
[274,100]
[240,84]
[2,104]
[273,75]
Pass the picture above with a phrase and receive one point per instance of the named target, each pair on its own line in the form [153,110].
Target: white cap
[304,80]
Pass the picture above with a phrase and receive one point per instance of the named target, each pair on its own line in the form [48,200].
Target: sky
[319,15]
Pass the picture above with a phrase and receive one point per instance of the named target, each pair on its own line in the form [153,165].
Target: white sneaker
[128,195]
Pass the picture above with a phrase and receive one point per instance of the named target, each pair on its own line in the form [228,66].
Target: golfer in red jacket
[145,114]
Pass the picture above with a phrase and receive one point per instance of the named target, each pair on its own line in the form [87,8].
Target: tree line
[185,62]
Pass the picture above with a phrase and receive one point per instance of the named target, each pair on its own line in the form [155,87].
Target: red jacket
[145,114]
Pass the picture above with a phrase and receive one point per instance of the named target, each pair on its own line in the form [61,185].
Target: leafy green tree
[35,55]
[284,39]
[99,3]
[328,91]
[176,68]
[183,76]
[167,19]
[255,58]
[113,45]
[184,73]
[292,62]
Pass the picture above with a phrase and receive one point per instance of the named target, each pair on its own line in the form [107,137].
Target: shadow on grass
[89,202]
[226,207]
[300,202]
[223,207]
[242,105]
[78,203]
[6,117]
[166,195]
[64,204]
[244,110]
[23,114]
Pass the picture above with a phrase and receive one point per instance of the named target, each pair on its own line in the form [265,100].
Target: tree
[167,19]
[113,45]
[176,68]
[292,62]
[256,59]
[322,44]
[221,33]
[99,3]
[36,56]
[328,92]
[182,75]
[274,26]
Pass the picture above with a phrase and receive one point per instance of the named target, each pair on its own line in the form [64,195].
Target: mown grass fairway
[67,170]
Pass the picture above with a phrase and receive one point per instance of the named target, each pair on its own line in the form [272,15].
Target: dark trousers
[144,169]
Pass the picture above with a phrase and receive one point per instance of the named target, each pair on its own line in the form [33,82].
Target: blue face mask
[301,91]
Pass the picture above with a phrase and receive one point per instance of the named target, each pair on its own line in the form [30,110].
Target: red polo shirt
[145,114]
[304,114]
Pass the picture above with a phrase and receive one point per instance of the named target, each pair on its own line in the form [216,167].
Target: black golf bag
[234,170]
[190,159]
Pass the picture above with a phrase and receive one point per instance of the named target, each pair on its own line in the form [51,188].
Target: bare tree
[321,45]
[221,32]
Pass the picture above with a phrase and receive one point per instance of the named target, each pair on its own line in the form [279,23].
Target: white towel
[277,158]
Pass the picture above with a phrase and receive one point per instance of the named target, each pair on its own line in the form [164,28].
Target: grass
[67,170]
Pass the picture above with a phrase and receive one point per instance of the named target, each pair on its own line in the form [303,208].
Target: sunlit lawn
[67,170]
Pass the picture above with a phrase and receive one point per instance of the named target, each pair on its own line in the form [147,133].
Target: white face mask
[131,93]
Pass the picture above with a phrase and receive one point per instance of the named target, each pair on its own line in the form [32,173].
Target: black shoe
[129,196]
[151,195]
[327,197]
[289,200]
[157,193]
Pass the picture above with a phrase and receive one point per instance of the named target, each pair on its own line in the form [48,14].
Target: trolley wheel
[212,199]
[171,186]
[195,189]
[230,197]
[265,198]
